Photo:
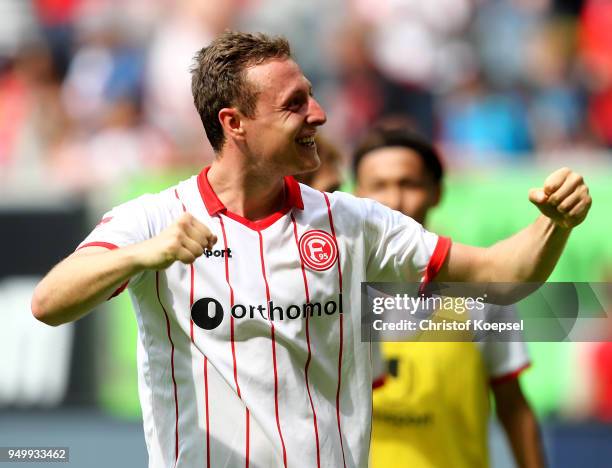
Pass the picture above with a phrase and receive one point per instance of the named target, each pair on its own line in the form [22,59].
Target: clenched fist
[564,198]
[184,240]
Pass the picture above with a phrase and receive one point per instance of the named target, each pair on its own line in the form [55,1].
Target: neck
[246,191]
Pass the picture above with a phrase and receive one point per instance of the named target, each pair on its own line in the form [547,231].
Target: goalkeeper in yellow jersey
[432,410]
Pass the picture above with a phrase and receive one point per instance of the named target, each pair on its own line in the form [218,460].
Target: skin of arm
[531,254]
[520,424]
[89,276]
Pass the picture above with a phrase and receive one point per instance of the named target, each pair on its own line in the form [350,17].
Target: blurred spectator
[394,54]
[123,146]
[184,28]
[32,119]
[108,64]
[359,99]
[17,26]
[483,124]
[558,105]
[493,80]
[56,18]
[309,26]
[501,30]
[596,54]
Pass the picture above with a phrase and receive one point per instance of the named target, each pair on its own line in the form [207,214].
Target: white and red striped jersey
[252,356]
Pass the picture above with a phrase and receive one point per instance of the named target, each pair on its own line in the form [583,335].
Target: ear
[231,121]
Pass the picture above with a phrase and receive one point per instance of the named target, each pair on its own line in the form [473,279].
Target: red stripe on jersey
[109,246]
[227,279]
[206,405]
[510,376]
[263,271]
[333,232]
[314,413]
[176,411]
[379,382]
[437,258]
[106,245]
[191,268]
[191,296]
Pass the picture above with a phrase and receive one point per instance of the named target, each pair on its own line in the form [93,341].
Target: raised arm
[531,254]
[89,276]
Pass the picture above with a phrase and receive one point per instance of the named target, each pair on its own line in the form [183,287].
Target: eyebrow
[297,90]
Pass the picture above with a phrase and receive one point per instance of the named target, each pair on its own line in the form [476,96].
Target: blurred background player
[433,409]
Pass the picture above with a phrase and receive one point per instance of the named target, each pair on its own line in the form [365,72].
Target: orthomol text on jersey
[208,313]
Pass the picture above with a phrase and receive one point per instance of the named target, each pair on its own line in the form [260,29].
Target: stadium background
[95,108]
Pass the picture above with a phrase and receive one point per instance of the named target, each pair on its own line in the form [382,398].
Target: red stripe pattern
[437,259]
[109,246]
[333,232]
[192,274]
[227,279]
[176,408]
[263,272]
[307,293]
[510,376]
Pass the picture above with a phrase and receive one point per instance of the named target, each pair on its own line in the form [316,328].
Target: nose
[392,197]
[316,114]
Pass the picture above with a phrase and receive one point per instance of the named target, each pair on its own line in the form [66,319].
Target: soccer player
[433,408]
[246,284]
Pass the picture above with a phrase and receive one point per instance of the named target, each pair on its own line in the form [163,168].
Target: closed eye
[296,103]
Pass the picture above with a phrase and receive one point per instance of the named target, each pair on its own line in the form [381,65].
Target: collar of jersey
[214,206]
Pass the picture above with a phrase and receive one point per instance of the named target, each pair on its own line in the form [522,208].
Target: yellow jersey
[433,409]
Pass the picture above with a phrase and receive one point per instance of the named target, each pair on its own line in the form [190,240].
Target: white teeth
[306,141]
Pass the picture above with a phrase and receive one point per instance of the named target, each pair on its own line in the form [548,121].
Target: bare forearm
[528,256]
[81,282]
[88,277]
[524,437]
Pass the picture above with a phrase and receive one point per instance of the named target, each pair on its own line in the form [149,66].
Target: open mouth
[308,142]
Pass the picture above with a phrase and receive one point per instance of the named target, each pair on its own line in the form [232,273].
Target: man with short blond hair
[246,284]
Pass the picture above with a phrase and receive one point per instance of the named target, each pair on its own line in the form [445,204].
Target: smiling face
[397,177]
[280,135]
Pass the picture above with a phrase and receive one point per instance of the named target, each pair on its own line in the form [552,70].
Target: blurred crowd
[92,91]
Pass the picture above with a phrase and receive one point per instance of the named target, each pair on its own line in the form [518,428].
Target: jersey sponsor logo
[318,250]
[207,312]
[219,253]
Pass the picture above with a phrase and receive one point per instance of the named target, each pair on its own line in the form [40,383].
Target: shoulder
[346,210]
[337,201]
[156,210]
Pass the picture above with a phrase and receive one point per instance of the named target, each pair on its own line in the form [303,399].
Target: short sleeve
[399,248]
[124,225]
[504,361]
